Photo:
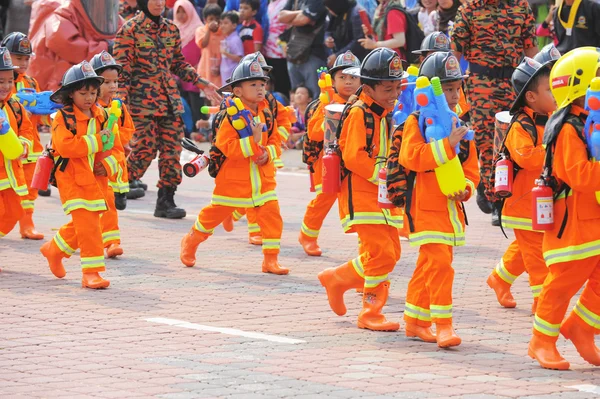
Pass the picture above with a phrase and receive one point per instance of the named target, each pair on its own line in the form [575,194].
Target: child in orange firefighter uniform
[20,51]
[439,221]
[523,145]
[571,248]
[518,210]
[345,85]
[78,131]
[246,177]
[13,186]
[282,115]
[116,198]
[364,141]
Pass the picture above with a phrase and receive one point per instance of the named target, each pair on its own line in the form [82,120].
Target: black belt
[494,73]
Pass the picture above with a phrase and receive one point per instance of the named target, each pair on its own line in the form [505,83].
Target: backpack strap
[273,105]
[17,110]
[310,110]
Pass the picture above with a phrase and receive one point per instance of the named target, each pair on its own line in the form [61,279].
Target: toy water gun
[406,101]
[10,145]
[326,86]
[37,103]
[242,120]
[437,118]
[209,110]
[114,113]
[592,124]
[435,113]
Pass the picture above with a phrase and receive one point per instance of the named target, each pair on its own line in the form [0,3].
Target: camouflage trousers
[154,134]
[487,97]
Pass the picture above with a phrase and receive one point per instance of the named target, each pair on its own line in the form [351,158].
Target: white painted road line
[586,388]
[228,331]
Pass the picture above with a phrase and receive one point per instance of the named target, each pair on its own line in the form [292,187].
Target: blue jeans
[306,74]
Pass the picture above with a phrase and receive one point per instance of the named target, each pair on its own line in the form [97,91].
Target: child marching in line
[523,145]
[244,160]
[364,141]
[13,186]
[78,135]
[439,221]
[20,51]
[116,197]
[344,85]
[512,264]
[571,247]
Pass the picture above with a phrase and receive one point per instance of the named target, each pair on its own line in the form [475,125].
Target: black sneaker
[165,205]
[135,193]
[45,193]
[120,201]
[142,185]
[482,201]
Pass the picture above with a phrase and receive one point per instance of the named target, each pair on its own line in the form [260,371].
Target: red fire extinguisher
[331,171]
[312,180]
[43,169]
[382,193]
[543,206]
[196,165]
[504,177]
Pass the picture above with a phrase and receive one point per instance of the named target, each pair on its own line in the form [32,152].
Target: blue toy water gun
[592,123]
[436,115]
[37,103]
[241,118]
[406,102]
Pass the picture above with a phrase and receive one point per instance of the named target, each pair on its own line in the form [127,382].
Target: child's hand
[105,135]
[263,159]
[213,26]
[458,132]
[257,131]
[99,169]
[459,196]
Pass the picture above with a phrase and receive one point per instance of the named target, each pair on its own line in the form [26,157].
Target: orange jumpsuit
[525,253]
[319,207]
[377,228]
[83,194]
[13,186]
[573,259]
[241,183]
[439,225]
[119,181]
[26,82]
[283,128]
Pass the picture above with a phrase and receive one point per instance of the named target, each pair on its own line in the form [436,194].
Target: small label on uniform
[545,210]
[501,176]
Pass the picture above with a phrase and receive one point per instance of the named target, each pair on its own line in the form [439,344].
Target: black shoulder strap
[273,104]
[17,110]
[310,110]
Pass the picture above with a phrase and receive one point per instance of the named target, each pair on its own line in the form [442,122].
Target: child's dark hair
[254,4]
[99,72]
[370,82]
[64,95]
[231,16]
[540,78]
[211,10]
[309,91]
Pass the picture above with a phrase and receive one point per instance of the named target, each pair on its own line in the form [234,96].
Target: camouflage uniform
[492,35]
[150,55]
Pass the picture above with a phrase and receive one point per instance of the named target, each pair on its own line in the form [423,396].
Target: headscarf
[143,6]
[188,29]
[340,7]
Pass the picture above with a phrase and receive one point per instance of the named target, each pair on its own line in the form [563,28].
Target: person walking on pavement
[149,48]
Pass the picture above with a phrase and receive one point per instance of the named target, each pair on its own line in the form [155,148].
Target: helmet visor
[103,14]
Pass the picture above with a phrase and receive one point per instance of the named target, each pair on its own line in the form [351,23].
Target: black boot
[135,193]
[496,213]
[141,185]
[165,205]
[482,201]
[120,201]
[45,193]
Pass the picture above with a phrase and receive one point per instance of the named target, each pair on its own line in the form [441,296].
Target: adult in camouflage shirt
[493,35]
[149,49]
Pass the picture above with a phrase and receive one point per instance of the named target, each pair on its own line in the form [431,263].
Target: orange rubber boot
[423,333]
[114,250]
[338,280]
[445,336]
[271,265]
[582,336]
[228,223]
[310,245]
[370,316]
[27,228]
[502,290]
[544,351]
[189,246]
[255,239]
[534,305]
[93,280]
[54,257]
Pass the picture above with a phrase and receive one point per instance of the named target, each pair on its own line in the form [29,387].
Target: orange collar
[369,102]
[577,110]
[80,116]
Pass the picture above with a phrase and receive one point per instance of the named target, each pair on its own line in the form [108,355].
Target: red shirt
[251,33]
[396,23]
